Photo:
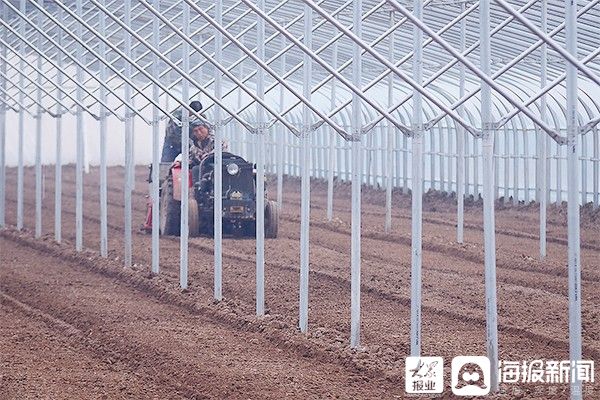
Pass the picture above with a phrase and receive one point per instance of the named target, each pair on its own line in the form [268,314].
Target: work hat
[196,105]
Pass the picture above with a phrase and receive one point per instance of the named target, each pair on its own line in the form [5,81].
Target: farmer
[203,144]
[172,143]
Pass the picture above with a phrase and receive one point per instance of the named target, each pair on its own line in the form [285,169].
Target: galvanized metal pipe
[218,168]
[596,172]
[331,42]
[355,251]
[38,142]
[568,56]
[206,55]
[81,43]
[75,59]
[139,57]
[58,159]
[485,77]
[352,87]
[543,189]
[243,56]
[488,195]
[36,84]
[15,105]
[260,168]
[507,66]
[3,15]
[417,190]
[389,65]
[103,150]
[128,125]
[80,144]
[305,139]
[573,182]
[460,142]
[400,62]
[548,87]
[332,137]
[281,137]
[155,197]
[389,150]
[185,161]
[20,175]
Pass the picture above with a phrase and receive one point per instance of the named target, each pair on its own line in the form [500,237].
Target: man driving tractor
[172,144]
[201,144]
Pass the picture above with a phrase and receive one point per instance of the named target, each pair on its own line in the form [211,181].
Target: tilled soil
[139,336]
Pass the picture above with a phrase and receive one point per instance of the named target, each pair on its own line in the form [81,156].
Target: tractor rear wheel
[271,219]
[193,218]
[170,210]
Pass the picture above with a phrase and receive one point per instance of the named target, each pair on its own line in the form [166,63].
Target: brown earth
[78,326]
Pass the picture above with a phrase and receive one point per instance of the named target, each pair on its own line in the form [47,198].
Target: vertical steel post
[368,154]
[305,179]
[460,140]
[280,137]
[450,155]
[543,195]
[488,197]
[506,163]
[525,165]
[467,139]
[103,114]
[417,189]
[515,174]
[218,206]
[38,137]
[475,168]
[356,181]
[332,137]
[58,160]
[441,151]
[573,183]
[155,146]
[128,146]
[389,151]
[404,164]
[584,155]
[496,169]
[80,144]
[4,16]
[596,172]
[185,160]
[20,175]
[260,169]
[431,158]
[240,135]
[548,169]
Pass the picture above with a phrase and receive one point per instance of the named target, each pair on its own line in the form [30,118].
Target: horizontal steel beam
[545,90]
[326,66]
[405,77]
[37,85]
[179,70]
[590,125]
[549,41]
[467,63]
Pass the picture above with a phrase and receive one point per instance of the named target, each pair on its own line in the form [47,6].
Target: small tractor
[238,201]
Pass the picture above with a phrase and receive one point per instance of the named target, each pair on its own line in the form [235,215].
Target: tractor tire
[170,210]
[193,218]
[271,219]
